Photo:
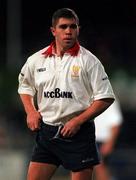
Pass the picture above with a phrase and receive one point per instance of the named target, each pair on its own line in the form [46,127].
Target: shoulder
[36,58]
[36,55]
[89,57]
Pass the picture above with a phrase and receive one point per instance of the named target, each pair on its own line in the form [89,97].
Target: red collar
[72,51]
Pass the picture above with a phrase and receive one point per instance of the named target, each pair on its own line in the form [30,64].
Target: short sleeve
[26,81]
[100,83]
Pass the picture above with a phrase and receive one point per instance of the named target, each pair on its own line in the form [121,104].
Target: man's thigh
[40,171]
[84,174]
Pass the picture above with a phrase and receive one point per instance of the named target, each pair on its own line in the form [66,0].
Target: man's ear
[52,30]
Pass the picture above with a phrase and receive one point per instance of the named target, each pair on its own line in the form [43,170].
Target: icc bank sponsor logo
[75,71]
[57,93]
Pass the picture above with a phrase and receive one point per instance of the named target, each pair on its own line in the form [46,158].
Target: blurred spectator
[107,130]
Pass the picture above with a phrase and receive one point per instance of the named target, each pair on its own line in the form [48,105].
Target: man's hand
[33,120]
[70,128]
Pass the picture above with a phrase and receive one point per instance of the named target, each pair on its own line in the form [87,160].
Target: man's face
[65,32]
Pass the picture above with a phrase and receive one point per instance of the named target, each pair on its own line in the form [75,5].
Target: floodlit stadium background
[108,29]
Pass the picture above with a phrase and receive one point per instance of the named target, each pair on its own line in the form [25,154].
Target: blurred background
[108,29]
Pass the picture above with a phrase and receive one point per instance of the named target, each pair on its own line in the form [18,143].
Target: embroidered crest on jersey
[75,71]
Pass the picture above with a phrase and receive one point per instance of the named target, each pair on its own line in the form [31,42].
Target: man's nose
[68,29]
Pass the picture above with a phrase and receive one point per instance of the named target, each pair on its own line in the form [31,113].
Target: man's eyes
[65,26]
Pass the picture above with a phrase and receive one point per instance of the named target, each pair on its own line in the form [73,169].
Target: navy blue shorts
[74,153]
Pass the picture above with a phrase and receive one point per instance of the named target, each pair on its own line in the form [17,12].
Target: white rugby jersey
[66,85]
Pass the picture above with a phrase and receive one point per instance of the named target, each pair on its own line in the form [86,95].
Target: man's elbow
[109,101]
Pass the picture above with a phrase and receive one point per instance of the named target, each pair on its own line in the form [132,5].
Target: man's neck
[59,50]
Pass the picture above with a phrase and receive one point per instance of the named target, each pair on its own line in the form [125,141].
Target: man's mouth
[68,40]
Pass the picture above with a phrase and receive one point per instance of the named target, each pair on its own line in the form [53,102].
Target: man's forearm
[114,133]
[28,103]
[95,109]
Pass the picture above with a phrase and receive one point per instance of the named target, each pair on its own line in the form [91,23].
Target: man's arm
[33,116]
[96,108]
[108,146]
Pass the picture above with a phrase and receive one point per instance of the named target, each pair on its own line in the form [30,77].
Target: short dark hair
[64,13]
